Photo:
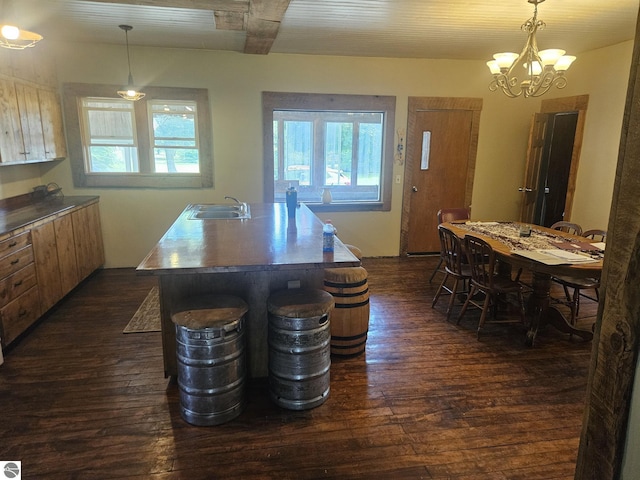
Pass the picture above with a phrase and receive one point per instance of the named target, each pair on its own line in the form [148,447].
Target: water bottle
[292,201]
[328,233]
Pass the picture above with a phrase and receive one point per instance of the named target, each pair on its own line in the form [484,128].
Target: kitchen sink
[220,211]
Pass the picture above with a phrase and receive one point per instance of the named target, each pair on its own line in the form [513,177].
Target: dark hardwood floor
[81,400]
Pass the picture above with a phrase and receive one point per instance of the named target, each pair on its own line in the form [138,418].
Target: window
[161,141]
[343,143]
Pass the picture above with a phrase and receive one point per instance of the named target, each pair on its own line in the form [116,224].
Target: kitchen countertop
[21,211]
[266,241]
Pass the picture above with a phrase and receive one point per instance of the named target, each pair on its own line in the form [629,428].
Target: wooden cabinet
[51,121]
[43,263]
[66,248]
[30,122]
[47,267]
[55,260]
[11,135]
[19,297]
[30,109]
[32,128]
[87,233]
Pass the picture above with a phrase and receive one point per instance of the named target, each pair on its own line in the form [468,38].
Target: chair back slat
[482,260]
[569,227]
[451,249]
[596,234]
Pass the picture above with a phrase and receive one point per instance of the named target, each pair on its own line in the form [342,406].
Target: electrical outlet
[293,284]
[398,178]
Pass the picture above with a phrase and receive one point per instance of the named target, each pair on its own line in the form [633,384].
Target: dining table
[546,253]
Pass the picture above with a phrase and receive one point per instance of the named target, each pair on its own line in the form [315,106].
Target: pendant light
[12,36]
[129,92]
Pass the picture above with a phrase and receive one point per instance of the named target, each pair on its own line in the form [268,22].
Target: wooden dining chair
[455,268]
[569,227]
[446,215]
[573,286]
[484,279]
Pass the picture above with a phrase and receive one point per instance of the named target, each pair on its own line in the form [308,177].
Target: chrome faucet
[234,199]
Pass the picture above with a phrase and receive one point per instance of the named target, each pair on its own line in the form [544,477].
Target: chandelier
[129,92]
[540,69]
[11,36]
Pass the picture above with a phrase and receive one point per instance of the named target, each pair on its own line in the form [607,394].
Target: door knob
[414,188]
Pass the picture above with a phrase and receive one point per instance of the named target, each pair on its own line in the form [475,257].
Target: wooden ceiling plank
[238,6]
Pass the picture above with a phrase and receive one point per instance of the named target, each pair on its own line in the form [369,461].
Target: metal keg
[210,349]
[299,334]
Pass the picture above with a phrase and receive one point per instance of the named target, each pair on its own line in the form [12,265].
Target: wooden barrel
[210,349]
[350,317]
[299,358]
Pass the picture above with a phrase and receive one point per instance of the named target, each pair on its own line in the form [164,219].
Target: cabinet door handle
[15,261]
[13,244]
[17,284]
[22,313]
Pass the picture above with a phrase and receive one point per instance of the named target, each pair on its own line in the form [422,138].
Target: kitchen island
[249,258]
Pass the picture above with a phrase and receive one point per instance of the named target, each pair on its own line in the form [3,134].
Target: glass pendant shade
[542,69]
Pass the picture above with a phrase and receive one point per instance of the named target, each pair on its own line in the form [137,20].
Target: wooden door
[441,147]
[556,167]
[535,151]
[538,148]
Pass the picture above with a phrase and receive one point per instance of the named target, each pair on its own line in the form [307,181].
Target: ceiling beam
[263,24]
[259,18]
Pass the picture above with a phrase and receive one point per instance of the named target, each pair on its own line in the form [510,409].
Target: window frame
[146,178]
[274,101]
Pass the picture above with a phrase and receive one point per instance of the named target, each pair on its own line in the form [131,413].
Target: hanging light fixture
[540,69]
[129,92]
[11,36]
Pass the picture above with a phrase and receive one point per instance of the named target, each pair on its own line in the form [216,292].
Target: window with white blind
[160,141]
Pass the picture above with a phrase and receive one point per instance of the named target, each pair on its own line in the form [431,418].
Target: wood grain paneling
[87,232]
[47,267]
[52,128]
[66,249]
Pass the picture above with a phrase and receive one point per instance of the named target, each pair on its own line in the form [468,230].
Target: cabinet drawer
[14,262]
[19,314]
[15,285]
[13,244]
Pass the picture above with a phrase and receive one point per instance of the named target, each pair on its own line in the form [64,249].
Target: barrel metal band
[327,283]
[354,337]
[352,305]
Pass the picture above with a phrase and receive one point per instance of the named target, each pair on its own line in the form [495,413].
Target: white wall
[604,75]
[134,219]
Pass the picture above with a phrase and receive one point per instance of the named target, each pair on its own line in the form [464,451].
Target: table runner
[539,241]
